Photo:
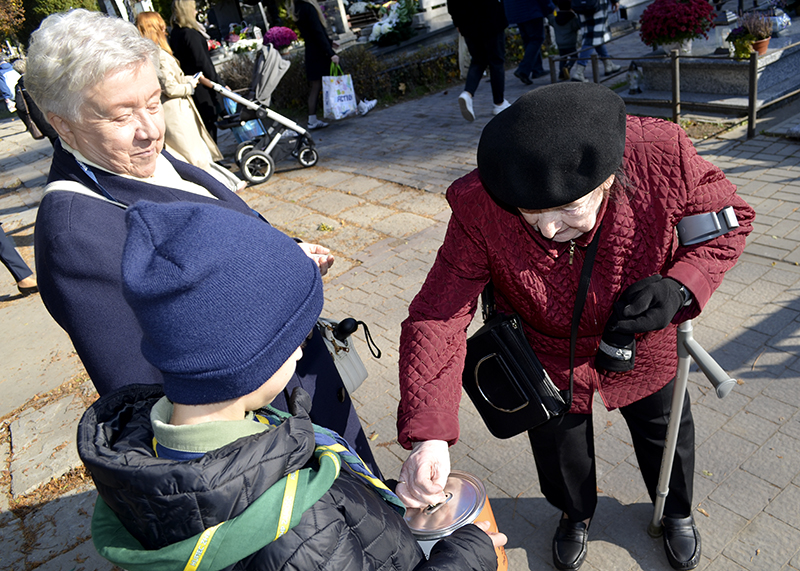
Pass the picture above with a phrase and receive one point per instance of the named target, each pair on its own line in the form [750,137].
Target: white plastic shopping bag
[338,95]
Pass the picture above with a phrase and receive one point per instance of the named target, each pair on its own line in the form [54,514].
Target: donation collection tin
[466,503]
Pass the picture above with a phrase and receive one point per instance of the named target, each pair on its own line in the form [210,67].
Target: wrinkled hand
[335,59]
[424,474]
[647,305]
[321,255]
[498,539]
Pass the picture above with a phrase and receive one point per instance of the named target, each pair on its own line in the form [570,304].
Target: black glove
[647,305]
[299,403]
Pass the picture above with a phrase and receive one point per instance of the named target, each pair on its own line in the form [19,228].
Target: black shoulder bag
[502,375]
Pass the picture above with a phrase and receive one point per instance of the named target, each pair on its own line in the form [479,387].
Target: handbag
[502,375]
[337,338]
[338,95]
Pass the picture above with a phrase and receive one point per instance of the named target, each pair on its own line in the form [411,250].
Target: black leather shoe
[523,78]
[569,544]
[681,542]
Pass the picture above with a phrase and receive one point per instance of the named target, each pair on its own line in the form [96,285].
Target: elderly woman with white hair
[94,77]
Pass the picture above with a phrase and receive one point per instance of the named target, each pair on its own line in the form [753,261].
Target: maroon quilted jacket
[534,277]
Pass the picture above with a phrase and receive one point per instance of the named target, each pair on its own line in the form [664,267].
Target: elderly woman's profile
[95,79]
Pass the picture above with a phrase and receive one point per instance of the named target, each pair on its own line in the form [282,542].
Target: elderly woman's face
[568,222]
[122,125]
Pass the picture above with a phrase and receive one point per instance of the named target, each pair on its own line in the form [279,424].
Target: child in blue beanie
[201,475]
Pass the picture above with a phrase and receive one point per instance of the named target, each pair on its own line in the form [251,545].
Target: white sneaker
[502,107]
[365,106]
[465,102]
[316,125]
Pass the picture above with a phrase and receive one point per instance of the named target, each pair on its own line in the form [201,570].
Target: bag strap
[78,188]
[489,310]
[336,69]
[580,300]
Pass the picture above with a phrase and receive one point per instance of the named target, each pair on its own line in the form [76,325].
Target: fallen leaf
[373,436]
[704,512]
[706,473]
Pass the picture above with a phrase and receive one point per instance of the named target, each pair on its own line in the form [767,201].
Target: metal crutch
[688,349]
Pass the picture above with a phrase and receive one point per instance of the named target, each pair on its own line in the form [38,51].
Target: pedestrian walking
[483,24]
[529,17]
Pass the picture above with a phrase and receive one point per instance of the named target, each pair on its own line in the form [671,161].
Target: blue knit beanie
[223,299]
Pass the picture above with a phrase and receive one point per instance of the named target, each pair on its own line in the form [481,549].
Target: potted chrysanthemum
[280,37]
[672,24]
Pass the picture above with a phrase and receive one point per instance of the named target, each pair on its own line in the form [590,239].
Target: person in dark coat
[206,464]
[27,110]
[103,163]
[319,52]
[189,43]
[483,24]
[562,165]
[529,17]
[22,274]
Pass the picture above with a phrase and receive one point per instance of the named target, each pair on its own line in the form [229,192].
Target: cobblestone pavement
[376,199]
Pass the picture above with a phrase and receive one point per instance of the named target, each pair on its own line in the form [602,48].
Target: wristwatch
[687,295]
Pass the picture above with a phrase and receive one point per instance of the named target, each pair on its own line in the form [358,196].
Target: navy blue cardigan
[78,244]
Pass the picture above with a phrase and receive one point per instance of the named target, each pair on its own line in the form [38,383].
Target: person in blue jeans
[529,17]
[595,36]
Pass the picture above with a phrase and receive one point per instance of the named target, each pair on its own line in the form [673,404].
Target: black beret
[554,145]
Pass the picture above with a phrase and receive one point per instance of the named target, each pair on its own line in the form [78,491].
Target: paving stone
[786,505]
[744,494]
[770,409]
[623,483]
[83,558]
[777,462]
[723,456]
[765,544]
[785,389]
[12,538]
[76,507]
[751,427]
[43,444]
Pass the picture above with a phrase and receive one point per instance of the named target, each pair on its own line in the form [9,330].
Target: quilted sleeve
[701,267]
[433,338]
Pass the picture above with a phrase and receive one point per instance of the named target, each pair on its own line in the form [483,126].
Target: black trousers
[487,51]
[564,452]
[11,258]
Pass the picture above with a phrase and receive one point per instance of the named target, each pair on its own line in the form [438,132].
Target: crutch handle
[687,346]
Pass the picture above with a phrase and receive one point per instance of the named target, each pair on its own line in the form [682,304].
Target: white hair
[74,51]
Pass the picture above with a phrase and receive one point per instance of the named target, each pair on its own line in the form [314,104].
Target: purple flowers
[279,37]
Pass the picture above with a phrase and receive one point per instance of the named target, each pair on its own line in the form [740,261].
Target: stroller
[279,137]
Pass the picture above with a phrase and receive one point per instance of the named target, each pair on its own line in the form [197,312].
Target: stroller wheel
[257,167]
[241,151]
[308,156]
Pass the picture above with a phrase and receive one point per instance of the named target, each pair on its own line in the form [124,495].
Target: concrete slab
[43,444]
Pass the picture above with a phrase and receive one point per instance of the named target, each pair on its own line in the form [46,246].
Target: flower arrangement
[280,37]
[675,21]
[752,27]
[756,24]
[395,23]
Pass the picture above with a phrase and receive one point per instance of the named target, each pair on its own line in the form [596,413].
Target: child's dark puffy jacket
[161,502]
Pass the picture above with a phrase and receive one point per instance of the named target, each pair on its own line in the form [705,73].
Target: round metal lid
[465,498]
